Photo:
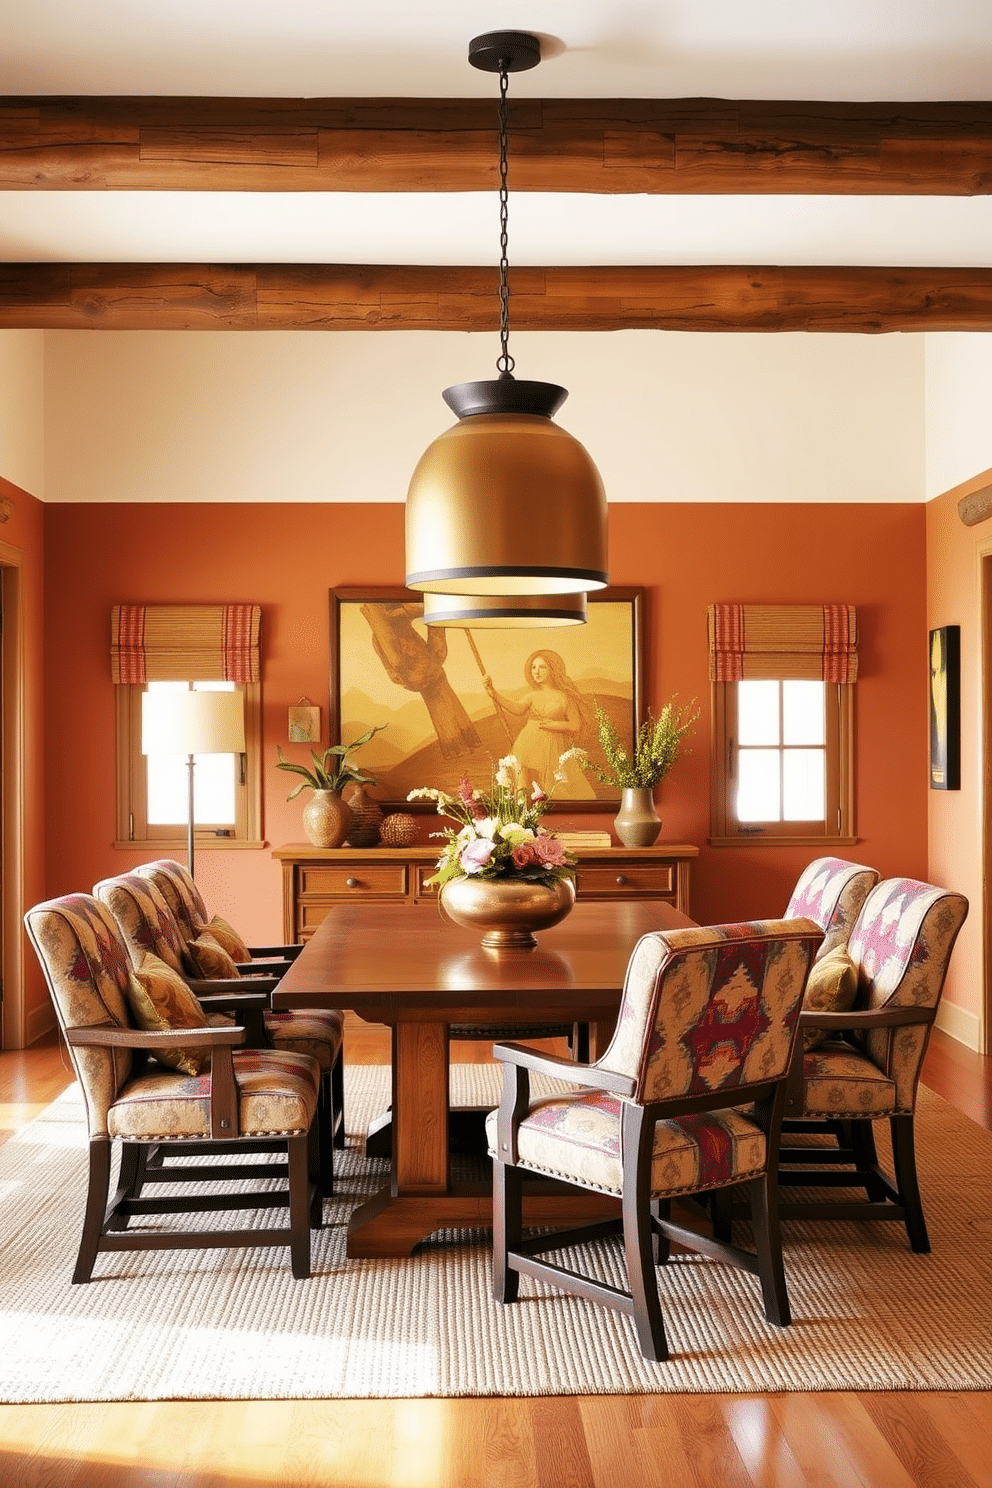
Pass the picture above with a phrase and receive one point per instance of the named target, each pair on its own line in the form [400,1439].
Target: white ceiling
[885,50]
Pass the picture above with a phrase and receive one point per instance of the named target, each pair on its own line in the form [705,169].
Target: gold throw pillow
[228,937]
[160,999]
[831,987]
[210,958]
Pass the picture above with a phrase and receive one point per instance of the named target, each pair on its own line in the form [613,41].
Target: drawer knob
[621,879]
[351,883]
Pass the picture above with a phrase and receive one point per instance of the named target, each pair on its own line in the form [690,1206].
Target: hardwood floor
[685,1441]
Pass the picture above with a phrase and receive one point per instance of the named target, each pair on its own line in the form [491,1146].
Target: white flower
[487,827]
[515,834]
[424,793]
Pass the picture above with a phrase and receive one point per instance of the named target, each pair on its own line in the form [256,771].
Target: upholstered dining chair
[219,1097]
[148,925]
[314,1031]
[863,1066]
[831,891]
[707,1022]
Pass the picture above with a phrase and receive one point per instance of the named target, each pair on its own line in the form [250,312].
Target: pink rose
[537,794]
[549,850]
[523,855]
[476,854]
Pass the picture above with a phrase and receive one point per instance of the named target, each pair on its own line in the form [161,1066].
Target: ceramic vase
[326,818]
[507,910]
[637,824]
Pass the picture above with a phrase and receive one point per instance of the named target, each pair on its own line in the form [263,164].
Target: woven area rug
[867,1313]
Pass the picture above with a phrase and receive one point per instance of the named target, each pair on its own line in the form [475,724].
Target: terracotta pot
[637,824]
[326,818]
[509,910]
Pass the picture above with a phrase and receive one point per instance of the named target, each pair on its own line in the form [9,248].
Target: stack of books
[573,840]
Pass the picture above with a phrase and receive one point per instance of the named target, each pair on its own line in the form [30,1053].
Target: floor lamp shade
[506,503]
[192,723]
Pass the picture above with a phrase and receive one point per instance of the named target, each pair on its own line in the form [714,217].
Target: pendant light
[505,611]
[506,502]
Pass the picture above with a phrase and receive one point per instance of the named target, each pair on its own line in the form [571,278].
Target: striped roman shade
[175,643]
[819,642]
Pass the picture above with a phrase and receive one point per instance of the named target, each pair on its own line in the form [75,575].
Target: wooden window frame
[838,825]
[133,829]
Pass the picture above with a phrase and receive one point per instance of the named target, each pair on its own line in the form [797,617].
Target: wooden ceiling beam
[384,298]
[578,145]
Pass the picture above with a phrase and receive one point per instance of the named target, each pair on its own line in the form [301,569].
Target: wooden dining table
[409,968]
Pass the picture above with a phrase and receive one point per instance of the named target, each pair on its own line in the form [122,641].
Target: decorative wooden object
[976,507]
[315,880]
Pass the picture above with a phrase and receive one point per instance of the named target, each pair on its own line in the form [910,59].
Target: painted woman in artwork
[554,715]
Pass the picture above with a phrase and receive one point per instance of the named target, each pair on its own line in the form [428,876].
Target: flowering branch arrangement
[500,833]
[659,743]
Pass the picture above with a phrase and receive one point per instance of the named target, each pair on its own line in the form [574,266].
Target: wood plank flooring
[837,1440]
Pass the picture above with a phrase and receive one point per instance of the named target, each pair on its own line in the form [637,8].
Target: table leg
[420,1108]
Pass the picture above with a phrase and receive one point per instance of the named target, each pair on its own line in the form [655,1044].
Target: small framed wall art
[945,708]
[304,723]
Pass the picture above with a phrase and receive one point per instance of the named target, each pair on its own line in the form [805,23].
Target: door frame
[13,1031]
[985,664]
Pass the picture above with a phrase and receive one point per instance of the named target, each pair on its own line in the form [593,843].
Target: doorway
[13,1032]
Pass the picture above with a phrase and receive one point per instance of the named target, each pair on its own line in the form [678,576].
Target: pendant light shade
[505,611]
[505,503]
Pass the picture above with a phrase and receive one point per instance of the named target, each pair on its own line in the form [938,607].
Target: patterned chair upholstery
[147,923]
[870,1066]
[831,891]
[707,1022]
[245,1100]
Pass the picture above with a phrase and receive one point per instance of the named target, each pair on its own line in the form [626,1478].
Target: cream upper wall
[22,409]
[958,382]
[321,416]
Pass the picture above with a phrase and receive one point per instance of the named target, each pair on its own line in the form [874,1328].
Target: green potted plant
[658,744]
[327,816]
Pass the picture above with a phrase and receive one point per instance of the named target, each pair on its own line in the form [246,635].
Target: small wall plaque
[304,723]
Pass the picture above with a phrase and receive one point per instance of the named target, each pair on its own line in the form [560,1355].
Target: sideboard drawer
[625,881]
[421,874]
[354,881]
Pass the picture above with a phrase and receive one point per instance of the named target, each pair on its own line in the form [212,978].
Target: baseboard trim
[39,1021]
[961,1025]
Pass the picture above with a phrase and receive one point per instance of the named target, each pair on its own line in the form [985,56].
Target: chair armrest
[262,968]
[871,1018]
[560,1068]
[284,952]
[207,986]
[103,1036]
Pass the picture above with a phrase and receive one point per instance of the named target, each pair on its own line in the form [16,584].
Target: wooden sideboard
[315,879]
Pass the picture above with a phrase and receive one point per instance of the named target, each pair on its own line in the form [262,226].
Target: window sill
[763,839]
[160,845]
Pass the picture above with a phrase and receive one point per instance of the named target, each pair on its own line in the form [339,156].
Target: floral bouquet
[500,835]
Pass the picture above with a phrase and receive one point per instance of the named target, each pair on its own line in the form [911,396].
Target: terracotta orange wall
[25,532]
[287,557]
[955,817]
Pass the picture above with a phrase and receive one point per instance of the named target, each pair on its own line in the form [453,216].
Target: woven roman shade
[818,642]
[174,643]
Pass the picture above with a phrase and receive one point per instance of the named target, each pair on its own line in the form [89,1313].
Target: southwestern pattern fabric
[842,1083]
[277,1096]
[88,969]
[712,1007]
[179,891]
[831,891]
[314,1031]
[146,921]
[577,1138]
[228,938]
[207,958]
[160,1000]
[831,987]
[902,945]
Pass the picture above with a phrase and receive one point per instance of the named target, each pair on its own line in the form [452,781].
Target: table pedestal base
[391,1224]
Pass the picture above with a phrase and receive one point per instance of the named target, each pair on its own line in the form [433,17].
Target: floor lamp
[192,723]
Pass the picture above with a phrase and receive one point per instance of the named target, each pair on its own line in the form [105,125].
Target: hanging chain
[504,362]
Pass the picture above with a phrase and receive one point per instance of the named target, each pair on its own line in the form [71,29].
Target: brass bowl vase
[509,910]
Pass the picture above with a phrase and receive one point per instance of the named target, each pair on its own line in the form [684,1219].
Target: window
[782,722]
[157,648]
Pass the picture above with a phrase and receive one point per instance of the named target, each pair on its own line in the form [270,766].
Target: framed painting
[454,701]
[945,708]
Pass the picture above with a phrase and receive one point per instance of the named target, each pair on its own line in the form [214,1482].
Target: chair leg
[325,1121]
[661,1209]
[131,1179]
[337,1098]
[638,1244]
[861,1137]
[768,1244]
[507,1229]
[904,1161]
[721,1213]
[96,1203]
[299,1206]
[315,1175]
